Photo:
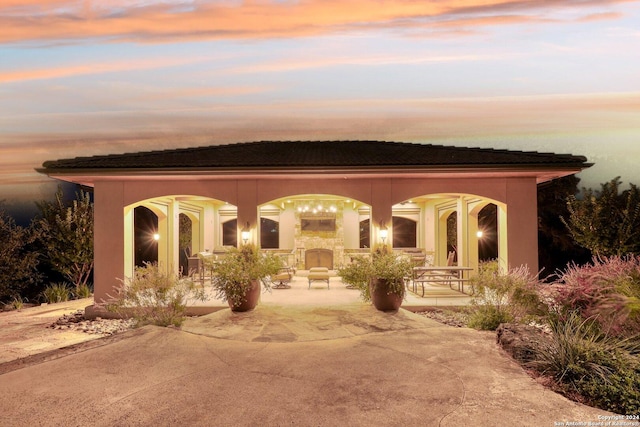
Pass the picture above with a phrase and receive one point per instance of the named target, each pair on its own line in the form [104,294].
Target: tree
[18,262]
[606,222]
[67,235]
[556,246]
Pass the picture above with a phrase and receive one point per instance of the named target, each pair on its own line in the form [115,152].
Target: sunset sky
[80,78]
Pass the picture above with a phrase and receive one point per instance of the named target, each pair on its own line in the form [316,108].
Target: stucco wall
[111,197]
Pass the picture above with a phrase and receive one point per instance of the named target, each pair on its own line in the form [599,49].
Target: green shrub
[599,367]
[357,275]
[488,317]
[235,272]
[382,264]
[153,296]
[16,304]
[82,291]
[57,292]
[18,259]
[500,298]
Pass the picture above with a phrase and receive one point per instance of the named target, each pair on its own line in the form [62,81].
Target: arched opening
[488,233]
[326,223]
[146,236]
[183,226]
[185,236]
[448,223]
[452,233]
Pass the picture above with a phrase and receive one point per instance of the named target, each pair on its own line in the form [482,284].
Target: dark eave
[313,157]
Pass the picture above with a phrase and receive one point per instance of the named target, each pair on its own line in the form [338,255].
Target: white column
[173,234]
[463,232]
[209,226]
[503,247]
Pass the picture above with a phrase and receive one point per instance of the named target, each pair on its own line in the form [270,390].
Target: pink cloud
[91,68]
[119,20]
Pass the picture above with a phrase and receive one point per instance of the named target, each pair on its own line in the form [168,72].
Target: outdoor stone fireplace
[319,246]
[318,258]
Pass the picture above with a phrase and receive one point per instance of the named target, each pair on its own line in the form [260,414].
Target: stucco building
[313,198]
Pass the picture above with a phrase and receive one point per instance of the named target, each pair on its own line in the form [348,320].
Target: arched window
[184,238]
[452,232]
[365,241]
[488,224]
[404,232]
[145,226]
[230,233]
[269,234]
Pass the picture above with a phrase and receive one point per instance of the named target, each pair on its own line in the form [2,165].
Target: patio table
[439,274]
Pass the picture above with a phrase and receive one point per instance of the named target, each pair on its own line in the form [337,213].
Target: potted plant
[237,276]
[380,278]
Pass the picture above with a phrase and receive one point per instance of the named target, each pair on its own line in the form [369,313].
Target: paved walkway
[330,365]
[25,333]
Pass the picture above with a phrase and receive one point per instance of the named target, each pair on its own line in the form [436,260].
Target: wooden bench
[319,273]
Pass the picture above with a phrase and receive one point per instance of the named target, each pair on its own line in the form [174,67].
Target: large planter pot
[251,298]
[381,298]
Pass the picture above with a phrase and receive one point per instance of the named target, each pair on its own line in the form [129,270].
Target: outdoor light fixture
[246,233]
[479,234]
[320,208]
[384,233]
[156,236]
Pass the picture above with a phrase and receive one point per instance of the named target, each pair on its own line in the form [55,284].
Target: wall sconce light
[246,233]
[384,233]
[156,236]
[479,234]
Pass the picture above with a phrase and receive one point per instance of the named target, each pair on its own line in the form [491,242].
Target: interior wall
[351,228]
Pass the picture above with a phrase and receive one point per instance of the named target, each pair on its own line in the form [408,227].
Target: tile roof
[318,154]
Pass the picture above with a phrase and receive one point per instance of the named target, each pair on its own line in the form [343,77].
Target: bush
[356,274]
[152,296]
[18,259]
[598,367]
[501,298]
[235,272]
[82,291]
[66,232]
[382,264]
[57,292]
[16,304]
[488,317]
[608,290]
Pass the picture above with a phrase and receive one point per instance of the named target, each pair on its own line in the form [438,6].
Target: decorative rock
[522,342]
[450,319]
[99,326]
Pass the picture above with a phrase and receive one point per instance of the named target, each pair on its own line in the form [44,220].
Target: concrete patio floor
[26,333]
[294,360]
[346,364]
[318,294]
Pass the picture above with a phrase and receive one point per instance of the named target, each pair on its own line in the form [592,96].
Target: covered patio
[300,293]
[330,199]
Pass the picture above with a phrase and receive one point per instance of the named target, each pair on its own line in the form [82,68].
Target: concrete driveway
[307,366]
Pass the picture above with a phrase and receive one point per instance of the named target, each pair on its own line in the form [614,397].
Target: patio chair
[282,278]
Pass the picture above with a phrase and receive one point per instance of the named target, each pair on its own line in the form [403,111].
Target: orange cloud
[118,20]
[91,68]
